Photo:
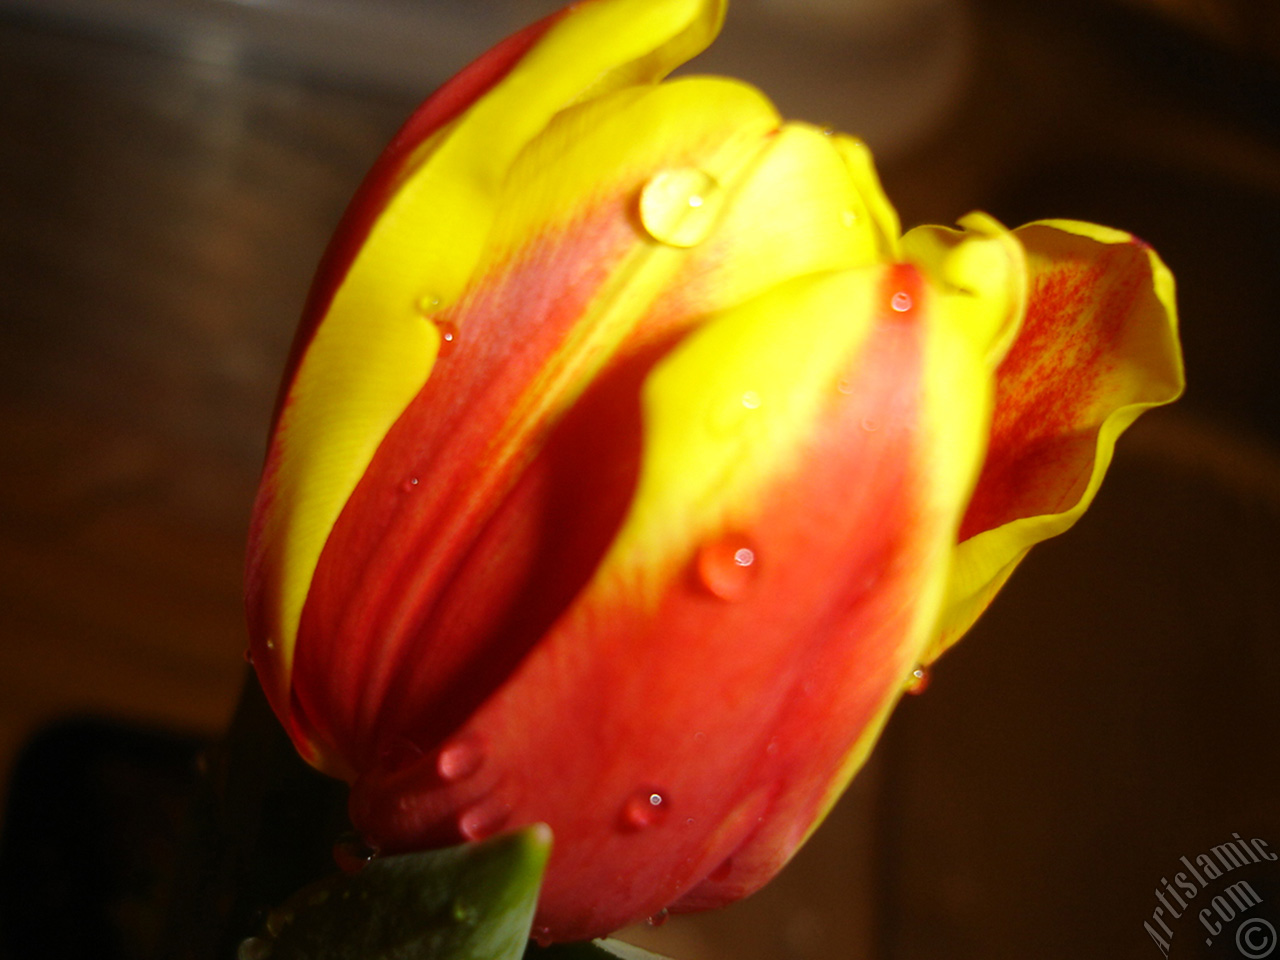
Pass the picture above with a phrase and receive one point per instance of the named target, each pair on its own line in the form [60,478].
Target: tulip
[629,462]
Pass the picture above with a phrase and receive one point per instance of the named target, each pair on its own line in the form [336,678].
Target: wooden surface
[159,221]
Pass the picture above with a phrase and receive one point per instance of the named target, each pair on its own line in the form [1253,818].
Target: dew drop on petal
[463,912]
[409,485]
[751,400]
[849,217]
[844,386]
[644,808]
[448,336]
[483,820]
[542,936]
[352,854]
[427,304]
[459,759]
[727,566]
[870,425]
[901,301]
[658,919]
[678,207]
[919,680]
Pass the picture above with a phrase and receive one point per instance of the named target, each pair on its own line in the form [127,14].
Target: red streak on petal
[1048,388]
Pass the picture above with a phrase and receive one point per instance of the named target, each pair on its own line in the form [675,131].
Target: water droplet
[271,644]
[919,681]
[728,566]
[849,217]
[901,301]
[721,872]
[464,912]
[254,948]
[448,336]
[659,918]
[542,936]
[751,400]
[459,760]
[844,386]
[427,304]
[352,854]
[828,131]
[410,485]
[870,425]
[678,207]
[248,656]
[483,820]
[644,808]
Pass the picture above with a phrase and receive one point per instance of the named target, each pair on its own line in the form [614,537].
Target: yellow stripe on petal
[1098,347]
[375,347]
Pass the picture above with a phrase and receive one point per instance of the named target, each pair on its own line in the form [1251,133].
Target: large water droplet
[644,808]
[352,854]
[459,759]
[727,566]
[918,681]
[678,207]
[483,820]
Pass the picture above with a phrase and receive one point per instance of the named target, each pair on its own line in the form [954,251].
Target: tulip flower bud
[629,462]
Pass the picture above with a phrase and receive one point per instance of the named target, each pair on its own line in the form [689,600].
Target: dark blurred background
[169,173]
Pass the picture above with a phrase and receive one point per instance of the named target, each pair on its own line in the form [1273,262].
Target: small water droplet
[901,301]
[410,485]
[659,918]
[427,304]
[271,644]
[728,566]
[870,425]
[483,820]
[721,872]
[919,681]
[751,400]
[844,386]
[254,948]
[459,760]
[644,808]
[352,854]
[542,936]
[448,336]
[678,207]
[849,217]
[464,912]
[248,656]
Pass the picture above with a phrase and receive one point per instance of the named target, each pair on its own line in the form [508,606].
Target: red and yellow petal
[1098,347]
[829,424]
[364,351]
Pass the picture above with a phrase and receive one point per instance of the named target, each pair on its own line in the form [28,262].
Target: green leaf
[590,950]
[472,902]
